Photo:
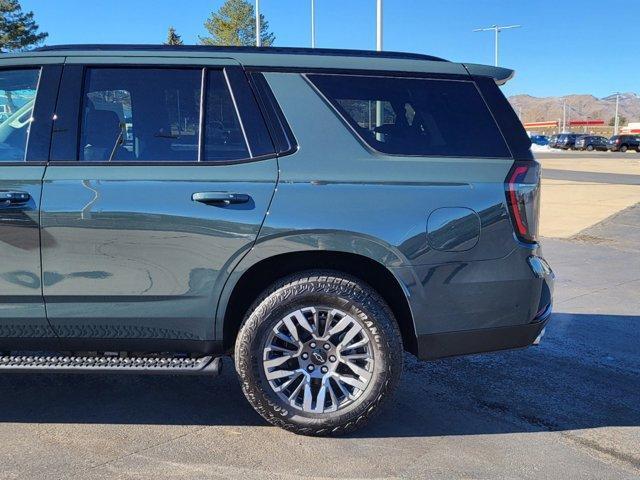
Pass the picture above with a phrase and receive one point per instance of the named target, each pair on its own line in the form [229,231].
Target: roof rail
[220,49]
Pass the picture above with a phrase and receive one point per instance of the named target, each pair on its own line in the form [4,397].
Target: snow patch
[540,148]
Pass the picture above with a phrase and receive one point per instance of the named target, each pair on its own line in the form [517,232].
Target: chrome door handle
[222,199]
[12,199]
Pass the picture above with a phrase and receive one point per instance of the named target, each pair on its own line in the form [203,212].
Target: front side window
[154,114]
[17,98]
[413,116]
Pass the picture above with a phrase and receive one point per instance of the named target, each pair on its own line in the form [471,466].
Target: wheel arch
[245,285]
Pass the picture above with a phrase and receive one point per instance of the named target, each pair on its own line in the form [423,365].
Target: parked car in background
[540,139]
[622,143]
[567,141]
[591,142]
[553,141]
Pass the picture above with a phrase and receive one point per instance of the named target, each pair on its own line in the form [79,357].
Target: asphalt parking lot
[569,408]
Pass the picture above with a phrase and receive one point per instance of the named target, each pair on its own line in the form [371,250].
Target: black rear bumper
[466,342]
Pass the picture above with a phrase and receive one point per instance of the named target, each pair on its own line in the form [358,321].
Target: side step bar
[111,364]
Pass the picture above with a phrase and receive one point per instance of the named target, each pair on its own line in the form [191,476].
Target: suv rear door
[28,88]
[155,189]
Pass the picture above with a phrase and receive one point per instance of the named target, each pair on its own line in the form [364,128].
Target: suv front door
[27,96]
[149,203]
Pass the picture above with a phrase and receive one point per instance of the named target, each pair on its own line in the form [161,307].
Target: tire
[623,148]
[590,148]
[310,294]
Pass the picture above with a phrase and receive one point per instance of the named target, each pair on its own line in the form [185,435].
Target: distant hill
[579,107]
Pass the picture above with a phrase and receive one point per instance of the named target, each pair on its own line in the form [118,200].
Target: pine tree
[18,30]
[173,38]
[235,24]
[621,120]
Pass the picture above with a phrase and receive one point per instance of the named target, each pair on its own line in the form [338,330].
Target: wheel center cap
[319,356]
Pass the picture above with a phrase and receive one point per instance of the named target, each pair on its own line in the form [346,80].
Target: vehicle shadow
[585,374]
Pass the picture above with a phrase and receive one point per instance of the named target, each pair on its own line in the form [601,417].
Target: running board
[111,364]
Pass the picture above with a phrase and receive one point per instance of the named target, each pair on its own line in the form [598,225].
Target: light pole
[258,42]
[313,24]
[564,115]
[379,25]
[496,29]
[616,122]
[379,113]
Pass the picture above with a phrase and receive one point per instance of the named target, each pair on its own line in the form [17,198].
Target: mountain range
[579,107]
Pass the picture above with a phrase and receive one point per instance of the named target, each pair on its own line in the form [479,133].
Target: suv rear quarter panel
[336,194]
[334,183]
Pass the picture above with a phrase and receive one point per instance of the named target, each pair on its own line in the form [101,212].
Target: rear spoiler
[499,74]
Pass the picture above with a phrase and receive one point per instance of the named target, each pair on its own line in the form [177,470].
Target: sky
[563,47]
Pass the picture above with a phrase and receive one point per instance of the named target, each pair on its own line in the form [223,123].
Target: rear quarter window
[415,116]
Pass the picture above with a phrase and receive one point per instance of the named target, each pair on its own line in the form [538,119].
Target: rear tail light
[522,188]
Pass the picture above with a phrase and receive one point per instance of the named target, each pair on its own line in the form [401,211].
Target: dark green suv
[313,213]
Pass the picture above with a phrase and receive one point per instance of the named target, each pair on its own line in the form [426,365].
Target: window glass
[224,138]
[141,114]
[410,116]
[17,98]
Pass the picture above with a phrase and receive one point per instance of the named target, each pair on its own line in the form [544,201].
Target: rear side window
[17,98]
[224,139]
[154,114]
[412,116]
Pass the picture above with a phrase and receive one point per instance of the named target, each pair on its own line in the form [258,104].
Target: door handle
[222,199]
[12,199]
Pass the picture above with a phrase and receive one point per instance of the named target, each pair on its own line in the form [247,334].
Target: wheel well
[261,275]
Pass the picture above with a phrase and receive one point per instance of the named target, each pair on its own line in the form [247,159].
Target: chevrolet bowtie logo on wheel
[319,357]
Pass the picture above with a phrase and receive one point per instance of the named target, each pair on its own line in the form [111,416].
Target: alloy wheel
[318,359]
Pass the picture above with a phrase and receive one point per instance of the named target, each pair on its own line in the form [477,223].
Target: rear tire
[623,148]
[590,148]
[286,353]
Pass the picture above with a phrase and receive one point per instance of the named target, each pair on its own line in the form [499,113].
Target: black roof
[216,49]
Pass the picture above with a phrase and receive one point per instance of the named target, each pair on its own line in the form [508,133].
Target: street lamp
[496,29]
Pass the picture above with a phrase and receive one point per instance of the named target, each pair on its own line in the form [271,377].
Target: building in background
[633,127]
